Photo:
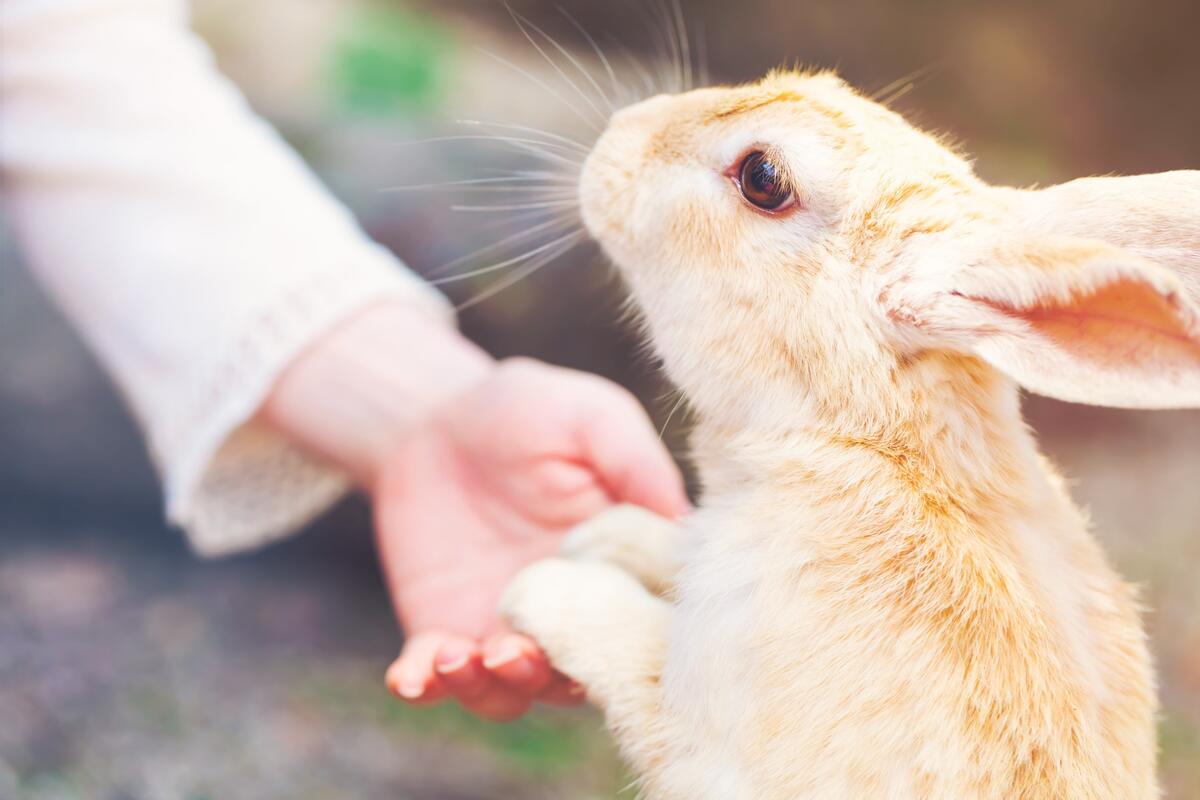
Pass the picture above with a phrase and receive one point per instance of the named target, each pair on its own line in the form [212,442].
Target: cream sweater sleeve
[187,242]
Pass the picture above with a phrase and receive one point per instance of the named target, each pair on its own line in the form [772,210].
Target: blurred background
[129,669]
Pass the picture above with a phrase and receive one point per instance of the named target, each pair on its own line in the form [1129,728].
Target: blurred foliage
[390,59]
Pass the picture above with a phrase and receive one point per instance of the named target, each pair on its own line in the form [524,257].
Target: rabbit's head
[791,244]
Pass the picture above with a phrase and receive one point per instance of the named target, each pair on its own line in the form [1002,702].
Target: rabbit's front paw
[584,615]
[632,538]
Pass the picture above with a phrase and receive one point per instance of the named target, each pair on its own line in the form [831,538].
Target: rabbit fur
[886,591]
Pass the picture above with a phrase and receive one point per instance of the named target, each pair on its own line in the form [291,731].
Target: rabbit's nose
[606,183]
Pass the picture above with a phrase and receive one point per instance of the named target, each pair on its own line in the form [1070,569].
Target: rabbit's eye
[762,183]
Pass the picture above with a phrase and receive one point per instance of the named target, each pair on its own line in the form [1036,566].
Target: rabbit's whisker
[665,74]
[669,45]
[559,155]
[701,38]
[639,69]
[520,236]
[567,243]
[518,18]
[534,79]
[670,414]
[571,203]
[684,45]
[564,140]
[533,174]
[901,83]
[547,176]
[500,183]
[551,245]
[896,95]
[556,191]
[516,140]
[561,192]
[617,88]
[533,217]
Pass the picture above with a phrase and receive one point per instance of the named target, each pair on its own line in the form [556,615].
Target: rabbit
[885,590]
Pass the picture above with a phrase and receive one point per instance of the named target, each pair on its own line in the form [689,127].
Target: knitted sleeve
[188,243]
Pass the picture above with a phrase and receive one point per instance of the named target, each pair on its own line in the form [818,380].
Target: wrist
[358,390]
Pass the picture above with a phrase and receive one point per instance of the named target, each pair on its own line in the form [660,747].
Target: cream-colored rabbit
[886,591]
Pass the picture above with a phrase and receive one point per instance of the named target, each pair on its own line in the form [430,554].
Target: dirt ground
[130,670]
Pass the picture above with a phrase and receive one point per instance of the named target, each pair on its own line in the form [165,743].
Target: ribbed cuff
[231,483]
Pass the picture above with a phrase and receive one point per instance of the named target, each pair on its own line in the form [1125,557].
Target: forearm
[193,250]
[352,395]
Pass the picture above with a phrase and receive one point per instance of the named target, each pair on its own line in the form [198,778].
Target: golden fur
[886,591]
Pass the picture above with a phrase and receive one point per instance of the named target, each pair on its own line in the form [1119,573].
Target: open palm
[489,484]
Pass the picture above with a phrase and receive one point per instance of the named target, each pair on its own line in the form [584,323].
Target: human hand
[475,470]
[486,484]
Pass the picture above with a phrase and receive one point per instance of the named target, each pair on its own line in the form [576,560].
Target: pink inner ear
[1123,324]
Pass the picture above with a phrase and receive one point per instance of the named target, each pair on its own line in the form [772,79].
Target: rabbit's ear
[1075,319]
[1153,216]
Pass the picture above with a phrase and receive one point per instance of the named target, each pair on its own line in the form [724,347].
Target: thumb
[621,444]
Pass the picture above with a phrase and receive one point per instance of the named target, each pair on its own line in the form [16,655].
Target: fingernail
[411,690]
[505,656]
[452,665]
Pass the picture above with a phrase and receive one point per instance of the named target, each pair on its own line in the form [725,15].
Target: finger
[517,662]
[499,704]
[411,677]
[562,691]
[459,667]
[632,462]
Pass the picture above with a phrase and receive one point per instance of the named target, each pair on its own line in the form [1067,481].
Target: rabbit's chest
[707,679]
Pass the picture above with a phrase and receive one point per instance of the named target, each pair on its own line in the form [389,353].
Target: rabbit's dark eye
[762,182]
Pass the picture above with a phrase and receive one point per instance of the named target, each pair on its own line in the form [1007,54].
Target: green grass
[547,743]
